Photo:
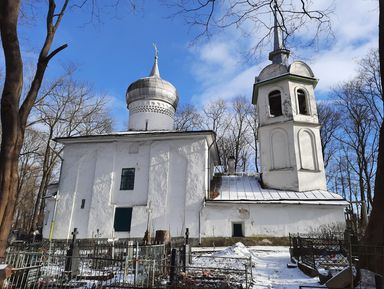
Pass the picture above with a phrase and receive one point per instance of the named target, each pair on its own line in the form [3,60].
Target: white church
[117,185]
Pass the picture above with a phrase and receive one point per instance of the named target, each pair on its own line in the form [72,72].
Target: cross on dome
[155,69]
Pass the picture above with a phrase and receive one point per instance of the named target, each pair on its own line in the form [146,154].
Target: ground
[271,269]
[269,265]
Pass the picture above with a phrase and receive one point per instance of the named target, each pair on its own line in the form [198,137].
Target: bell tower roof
[280,54]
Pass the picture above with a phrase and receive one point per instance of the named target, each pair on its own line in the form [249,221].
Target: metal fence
[132,266]
[319,252]
[119,265]
[229,271]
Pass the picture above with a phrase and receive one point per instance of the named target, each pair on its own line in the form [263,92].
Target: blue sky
[112,54]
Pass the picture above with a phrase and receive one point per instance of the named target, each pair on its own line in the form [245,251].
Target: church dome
[151,102]
[153,88]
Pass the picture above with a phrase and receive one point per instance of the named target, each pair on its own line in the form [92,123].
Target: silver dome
[152,88]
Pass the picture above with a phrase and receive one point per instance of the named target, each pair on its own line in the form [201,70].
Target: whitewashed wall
[267,219]
[170,177]
[290,147]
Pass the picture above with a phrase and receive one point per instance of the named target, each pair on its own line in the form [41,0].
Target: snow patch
[237,250]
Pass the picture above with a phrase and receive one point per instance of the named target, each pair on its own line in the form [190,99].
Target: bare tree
[329,118]
[217,117]
[188,118]
[15,110]
[358,135]
[253,124]
[239,131]
[13,115]
[69,109]
[29,177]
[370,89]
[374,234]
[213,15]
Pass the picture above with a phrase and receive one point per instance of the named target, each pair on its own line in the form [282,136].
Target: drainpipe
[207,179]
[200,212]
[53,217]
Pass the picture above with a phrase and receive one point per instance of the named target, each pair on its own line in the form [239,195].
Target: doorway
[237,230]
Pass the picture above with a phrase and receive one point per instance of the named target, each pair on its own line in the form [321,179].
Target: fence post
[136,263]
[379,281]
[246,276]
[250,264]
[72,260]
[350,256]
[172,272]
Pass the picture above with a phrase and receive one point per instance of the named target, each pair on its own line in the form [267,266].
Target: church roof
[247,189]
[209,135]
[139,134]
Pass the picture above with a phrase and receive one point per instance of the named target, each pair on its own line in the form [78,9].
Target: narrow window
[146,124]
[237,230]
[123,217]
[275,103]
[127,179]
[82,204]
[302,102]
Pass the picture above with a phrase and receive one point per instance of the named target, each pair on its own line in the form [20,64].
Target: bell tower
[289,130]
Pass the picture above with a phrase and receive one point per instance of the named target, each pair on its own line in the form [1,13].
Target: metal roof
[152,88]
[247,189]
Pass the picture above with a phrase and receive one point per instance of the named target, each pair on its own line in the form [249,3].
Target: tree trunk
[13,118]
[374,234]
[9,115]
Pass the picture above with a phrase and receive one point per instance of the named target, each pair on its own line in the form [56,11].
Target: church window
[123,217]
[237,230]
[82,204]
[275,103]
[301,98]
[127,179]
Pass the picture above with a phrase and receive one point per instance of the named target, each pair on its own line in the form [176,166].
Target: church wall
[263,103]
[268,219]
[70,183]
[169,180]
[309,152]
[131,155]
[181,184]
[195,186]
[312,116]
[277,157]
[101,213]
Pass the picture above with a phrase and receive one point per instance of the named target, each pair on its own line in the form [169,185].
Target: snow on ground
[269,264]
[271,270]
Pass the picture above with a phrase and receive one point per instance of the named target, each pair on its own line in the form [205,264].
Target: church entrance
[237,230]
[123,217]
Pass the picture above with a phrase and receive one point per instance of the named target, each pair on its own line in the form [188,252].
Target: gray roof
[247,189]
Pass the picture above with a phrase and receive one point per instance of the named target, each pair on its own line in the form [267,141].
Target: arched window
[301,98]
[275,103]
